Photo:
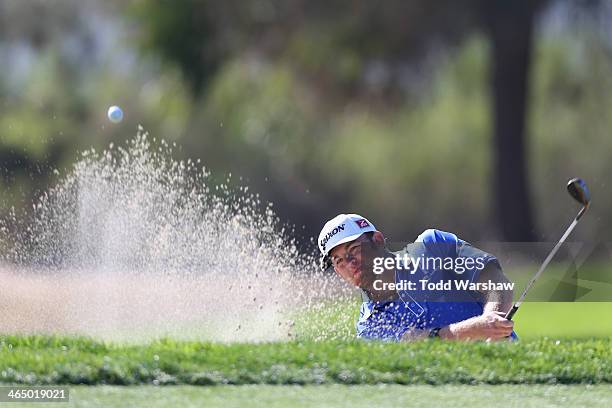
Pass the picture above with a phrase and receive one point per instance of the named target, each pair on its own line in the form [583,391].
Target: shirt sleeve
[439,243]
[447,245]
[480,259]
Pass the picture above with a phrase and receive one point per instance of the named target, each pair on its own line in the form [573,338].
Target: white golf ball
[115,114]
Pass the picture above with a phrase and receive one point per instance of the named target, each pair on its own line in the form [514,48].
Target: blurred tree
[61,71]
[185,35]
[295,94]
[510,27]
[360,50]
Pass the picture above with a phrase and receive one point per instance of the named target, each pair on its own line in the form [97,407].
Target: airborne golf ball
[115,114]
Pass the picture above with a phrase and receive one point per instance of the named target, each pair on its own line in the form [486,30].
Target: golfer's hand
[489,326]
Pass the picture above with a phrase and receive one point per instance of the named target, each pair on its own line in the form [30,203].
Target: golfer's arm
[495,300]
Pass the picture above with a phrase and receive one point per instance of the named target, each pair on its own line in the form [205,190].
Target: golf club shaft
[545,264]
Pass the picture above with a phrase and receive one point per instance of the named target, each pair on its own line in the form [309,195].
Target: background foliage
[318,106]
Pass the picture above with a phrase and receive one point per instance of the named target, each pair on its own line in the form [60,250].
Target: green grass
[576,320]
[55,360]
[572,366]
[522,396]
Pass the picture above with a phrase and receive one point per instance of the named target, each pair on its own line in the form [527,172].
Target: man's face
[347,261]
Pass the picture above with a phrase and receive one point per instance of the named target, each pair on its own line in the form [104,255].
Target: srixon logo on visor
[331,234]
[362,223]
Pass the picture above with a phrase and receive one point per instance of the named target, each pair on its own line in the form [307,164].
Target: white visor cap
[342,228]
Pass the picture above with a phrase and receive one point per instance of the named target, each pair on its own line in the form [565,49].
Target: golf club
[577,189]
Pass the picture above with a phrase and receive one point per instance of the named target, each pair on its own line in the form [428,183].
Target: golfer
[438,286]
